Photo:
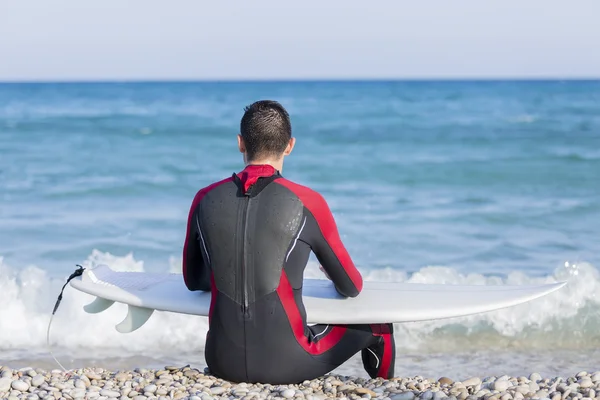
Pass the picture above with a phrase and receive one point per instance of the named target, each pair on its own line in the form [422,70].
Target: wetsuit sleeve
[196,273]
[322,235]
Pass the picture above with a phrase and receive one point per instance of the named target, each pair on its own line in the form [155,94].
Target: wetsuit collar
[252,172]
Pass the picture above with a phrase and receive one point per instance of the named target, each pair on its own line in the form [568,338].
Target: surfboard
[379,302]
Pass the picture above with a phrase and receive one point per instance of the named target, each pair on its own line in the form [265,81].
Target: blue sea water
[493,182]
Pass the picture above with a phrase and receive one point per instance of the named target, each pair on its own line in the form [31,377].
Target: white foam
[564,319]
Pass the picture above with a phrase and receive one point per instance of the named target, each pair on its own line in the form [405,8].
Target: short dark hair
[266,129]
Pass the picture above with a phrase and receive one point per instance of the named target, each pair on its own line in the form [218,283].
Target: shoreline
[173,382]
[458,365]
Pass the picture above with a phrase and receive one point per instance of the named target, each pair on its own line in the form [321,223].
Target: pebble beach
[173,382]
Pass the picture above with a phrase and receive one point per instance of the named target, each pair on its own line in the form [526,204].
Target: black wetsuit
[248,240]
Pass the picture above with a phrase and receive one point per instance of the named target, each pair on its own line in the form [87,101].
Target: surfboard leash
[75,274]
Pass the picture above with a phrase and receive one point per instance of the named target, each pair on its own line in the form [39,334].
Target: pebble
[535,377]
[472,382]
[502,385]
[20,385]
[523,389]
[93,376]
[586,383]
[150,388]
[5,384]
[38,380]
[518,396]
[109,393]
[364,391]
[122,377]
[428,395]
[533,387]
[403,396]
[77,393]
[217,390]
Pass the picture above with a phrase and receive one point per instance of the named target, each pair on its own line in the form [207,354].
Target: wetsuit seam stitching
[202,239]
[295,240]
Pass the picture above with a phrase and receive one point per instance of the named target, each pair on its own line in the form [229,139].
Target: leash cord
[78,272]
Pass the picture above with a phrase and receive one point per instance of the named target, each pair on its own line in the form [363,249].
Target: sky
[74,40]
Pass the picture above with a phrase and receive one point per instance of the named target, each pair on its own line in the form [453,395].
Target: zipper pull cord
[78,272]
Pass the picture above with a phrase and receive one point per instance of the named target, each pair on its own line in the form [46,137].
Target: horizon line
[300,80]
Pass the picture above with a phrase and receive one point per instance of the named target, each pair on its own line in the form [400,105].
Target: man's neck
[277,164]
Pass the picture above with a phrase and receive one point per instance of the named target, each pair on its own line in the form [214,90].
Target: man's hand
[325,272]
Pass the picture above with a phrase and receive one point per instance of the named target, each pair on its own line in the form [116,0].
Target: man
[248,240]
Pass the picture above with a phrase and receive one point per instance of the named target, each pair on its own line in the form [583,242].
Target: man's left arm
[196,274]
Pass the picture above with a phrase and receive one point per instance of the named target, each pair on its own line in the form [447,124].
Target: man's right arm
[323,237]
[321,234]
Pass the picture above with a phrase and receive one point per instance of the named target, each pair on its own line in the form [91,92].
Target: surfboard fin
[136,317]
[98,305]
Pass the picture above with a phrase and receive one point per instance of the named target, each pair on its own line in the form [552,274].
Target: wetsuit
[248,240]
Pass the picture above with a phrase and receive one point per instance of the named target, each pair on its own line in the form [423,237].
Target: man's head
[265,132]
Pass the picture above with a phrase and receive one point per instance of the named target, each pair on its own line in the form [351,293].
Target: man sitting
[248,240]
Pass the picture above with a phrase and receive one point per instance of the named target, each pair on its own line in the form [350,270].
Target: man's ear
[290,147]
[241,144]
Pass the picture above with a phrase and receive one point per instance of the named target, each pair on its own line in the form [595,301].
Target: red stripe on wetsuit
[286,295]
[317,206]
[383,330]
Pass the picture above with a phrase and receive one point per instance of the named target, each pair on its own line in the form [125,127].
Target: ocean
[478,182]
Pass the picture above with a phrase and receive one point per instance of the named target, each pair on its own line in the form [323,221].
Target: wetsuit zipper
[244,282]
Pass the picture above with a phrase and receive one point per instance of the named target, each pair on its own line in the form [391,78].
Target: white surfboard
[379,302]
